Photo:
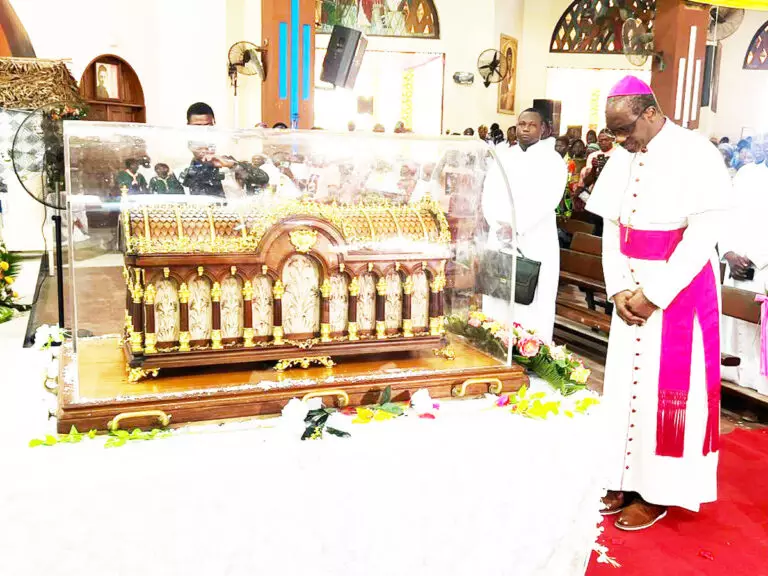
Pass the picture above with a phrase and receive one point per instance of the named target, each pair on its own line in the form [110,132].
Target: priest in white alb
[537,177]
[661,197]
[744,246]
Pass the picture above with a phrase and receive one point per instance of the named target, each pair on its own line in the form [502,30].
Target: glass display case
[220,273]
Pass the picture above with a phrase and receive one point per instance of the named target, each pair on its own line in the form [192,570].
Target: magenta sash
[698,299]
[763,299]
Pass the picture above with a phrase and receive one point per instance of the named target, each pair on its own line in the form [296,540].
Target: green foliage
[555,372]
[114,438]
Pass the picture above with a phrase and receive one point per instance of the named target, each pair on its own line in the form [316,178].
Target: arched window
[757,53]
[589,27]
[410,18]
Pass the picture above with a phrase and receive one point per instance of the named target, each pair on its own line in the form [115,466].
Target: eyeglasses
[626,131]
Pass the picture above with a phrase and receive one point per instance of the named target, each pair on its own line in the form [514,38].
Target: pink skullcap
[630,86]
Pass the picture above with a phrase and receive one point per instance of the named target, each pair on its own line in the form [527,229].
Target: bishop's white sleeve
[615,265]
[542,201]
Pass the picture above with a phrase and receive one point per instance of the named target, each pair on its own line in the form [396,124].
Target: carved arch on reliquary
[328,250]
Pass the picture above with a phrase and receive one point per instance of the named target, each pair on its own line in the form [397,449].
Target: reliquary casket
[298,282]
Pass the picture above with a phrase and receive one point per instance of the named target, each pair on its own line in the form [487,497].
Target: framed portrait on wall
[508,49]
[107,81]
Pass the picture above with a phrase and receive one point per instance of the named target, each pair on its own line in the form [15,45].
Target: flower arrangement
[67,112]
[553,364]
[10,266]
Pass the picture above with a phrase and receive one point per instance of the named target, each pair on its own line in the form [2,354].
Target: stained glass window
[757,53]
[594,27]
[410,18]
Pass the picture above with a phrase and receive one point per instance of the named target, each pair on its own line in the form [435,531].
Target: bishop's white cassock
[678,182]
[537,178]
[744,234]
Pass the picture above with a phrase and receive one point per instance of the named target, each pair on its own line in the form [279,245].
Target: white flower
[340,422]
[422,402]
[557,353]
[295,410]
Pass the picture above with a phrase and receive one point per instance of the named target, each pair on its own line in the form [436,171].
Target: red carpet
[727,537]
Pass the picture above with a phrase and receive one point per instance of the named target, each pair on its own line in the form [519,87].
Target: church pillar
[680,33]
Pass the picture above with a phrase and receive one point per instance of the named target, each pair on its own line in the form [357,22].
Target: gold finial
[381,330]
[352,329]
[264,269]
[138,293]
[381,286]
[166,272]
[150,343]
[200,270]
[397,266]
[325,288]
[438,284]
[137,272]
[303,240]
[277,334]
[216,340]
[370,266]
[149,294]
[341,267]
[184,340]
[248,290]
[354,287]
[216,292]
[407,328]
[408,285]
[248,335]
[233,270]
[424,265]
[183,293]
[126,275]
[278,290]
[325,332]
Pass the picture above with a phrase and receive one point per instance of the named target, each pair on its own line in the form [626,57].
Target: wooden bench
[584,271]
[587,243]
[573,226]
[739,304]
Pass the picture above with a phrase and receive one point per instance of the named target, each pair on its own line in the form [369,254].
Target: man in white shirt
[745,249]
[537,176]
[661,199]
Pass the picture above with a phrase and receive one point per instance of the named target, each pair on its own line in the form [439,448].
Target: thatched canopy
[29,83]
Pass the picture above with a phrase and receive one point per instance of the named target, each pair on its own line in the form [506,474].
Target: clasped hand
[633,307]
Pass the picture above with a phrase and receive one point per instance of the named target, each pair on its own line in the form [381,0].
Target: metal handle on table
[494,386]
[114,424]
[342,396]
[52,389]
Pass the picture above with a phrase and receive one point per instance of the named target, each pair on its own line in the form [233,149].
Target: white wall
[742,93]
[178,49]
[465,31]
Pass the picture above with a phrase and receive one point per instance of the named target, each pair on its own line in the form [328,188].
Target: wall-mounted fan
[723,22]
[638,44]
[492,66]
[244,58]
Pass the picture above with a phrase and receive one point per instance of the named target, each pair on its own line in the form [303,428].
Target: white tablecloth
[477,491]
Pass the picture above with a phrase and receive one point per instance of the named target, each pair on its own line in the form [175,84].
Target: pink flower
[505,338]
[502,400]
[529,347]
[474,322]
